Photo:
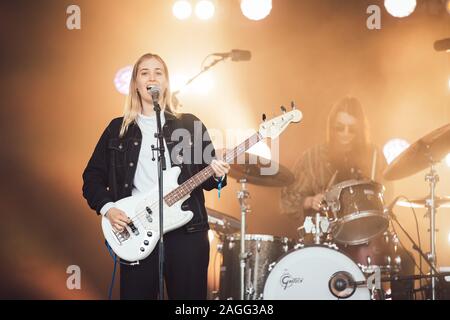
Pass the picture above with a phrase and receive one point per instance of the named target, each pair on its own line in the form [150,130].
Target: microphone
[154,91]
[342,285]
[442,45]
[236,55]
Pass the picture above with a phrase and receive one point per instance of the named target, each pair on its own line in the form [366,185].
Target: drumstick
[374,164]
[331,182]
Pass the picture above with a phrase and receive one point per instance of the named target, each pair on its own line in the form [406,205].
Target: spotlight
[182,9]
[122,79]
[203,84]
[447,160]
[200,86]
[393,148]
[256,9]
[177,82]
[400,8]
[204,9]
[447,6]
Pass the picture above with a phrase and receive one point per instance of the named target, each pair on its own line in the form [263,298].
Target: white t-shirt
[146,177]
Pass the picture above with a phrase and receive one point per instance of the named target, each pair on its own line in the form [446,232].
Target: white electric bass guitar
[140,237]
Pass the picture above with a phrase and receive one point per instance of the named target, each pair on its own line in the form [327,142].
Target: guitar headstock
[274,127]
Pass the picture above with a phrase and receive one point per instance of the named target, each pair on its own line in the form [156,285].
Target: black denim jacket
[109,174]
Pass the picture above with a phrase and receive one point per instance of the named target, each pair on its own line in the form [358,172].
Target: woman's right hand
[118,219]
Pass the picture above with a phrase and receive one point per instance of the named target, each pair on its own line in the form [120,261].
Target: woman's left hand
[220,168]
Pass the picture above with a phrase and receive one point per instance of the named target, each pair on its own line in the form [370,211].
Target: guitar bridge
[122,236]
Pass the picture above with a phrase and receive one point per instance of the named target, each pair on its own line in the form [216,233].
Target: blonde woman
[122,165]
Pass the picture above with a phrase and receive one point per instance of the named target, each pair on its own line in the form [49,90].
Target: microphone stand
[434,273]
[161,166]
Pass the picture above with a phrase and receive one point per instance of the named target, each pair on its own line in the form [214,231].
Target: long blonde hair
[133,102]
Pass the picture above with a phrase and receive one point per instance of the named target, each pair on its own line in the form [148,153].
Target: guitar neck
[189,185]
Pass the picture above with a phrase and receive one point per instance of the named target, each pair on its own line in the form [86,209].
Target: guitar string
[207,172]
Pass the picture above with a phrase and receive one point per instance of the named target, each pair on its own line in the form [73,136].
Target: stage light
[182,9]
[256,9]
[177,82]
[204,9]
[447,6]
[203,84]
[393,148]
[122,79]
[400,8]
[447,160]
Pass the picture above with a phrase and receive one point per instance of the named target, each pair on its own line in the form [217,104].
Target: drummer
[347,154]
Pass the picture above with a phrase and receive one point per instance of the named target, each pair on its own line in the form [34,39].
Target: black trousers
[185,269]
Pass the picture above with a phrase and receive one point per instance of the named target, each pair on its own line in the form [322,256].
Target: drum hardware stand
[250,291]
[243,194]
[318,227]
[432,178]
[374,284]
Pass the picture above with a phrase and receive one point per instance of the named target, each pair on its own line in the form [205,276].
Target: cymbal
[222,222]
[257,170]
[440,202]
[421,154]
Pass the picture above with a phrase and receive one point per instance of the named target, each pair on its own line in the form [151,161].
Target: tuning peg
[264,117]
[283,109]
[293,105]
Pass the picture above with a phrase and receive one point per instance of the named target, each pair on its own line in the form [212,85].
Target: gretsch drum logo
[287,281]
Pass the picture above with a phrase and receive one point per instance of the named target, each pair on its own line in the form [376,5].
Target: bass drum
[315,273]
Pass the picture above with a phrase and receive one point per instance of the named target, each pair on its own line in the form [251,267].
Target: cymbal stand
[432,178]
[243,195]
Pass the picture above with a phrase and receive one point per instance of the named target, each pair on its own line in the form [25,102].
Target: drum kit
[345,251]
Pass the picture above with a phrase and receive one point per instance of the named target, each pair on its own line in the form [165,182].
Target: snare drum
[263,250]
[316,273]
[358,211]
